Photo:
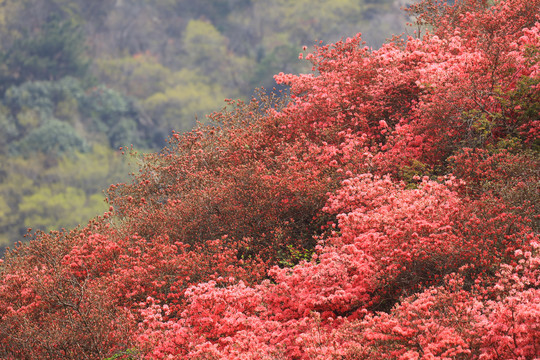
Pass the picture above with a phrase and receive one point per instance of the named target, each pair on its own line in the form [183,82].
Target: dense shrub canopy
[387,210]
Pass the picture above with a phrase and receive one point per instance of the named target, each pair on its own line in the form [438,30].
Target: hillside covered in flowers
[387,208]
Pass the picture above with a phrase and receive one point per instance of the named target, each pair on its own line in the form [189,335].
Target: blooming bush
[387,209]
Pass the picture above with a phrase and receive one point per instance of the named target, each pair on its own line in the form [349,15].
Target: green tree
[92,171]
[42,194]
[140,75]
[16,181]
[52,52]
[98,114]
[8,130]
[56,207]
[178,107]
[54,138]
[206,50]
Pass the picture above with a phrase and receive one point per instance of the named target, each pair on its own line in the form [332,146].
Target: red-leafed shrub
[244,180]
[50,311]
[390,242]
[386,209]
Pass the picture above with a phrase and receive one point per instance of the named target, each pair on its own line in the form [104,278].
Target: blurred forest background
[79,79]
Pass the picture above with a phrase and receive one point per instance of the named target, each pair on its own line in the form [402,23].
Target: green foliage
[54,137]
[112,114]
[8,130]
[130,354]
[524,102]
[412,171]
[178,107]
[238,45]
[312,19]
[99,114]
[292,256]
[105,104]
[43,96]
[93,171]
[15,183]
[159,66]
[281,58]
[172,99]
[4,216]
[46,193]
[139,76]
[204,44]
[53,52]
[206,51]
[51,208]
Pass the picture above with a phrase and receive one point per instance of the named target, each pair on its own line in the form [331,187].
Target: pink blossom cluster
[387,209]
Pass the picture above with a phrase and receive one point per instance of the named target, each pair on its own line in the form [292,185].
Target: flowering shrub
[387,209]
[49,311]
